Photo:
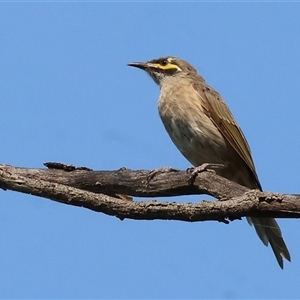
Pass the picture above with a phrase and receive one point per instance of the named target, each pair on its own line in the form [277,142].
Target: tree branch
[102,191]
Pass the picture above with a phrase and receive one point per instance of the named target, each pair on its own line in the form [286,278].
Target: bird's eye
[164,62]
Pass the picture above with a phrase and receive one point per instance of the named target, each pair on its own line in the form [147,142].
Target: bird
[204,130]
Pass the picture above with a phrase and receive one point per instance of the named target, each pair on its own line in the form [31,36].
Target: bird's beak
[140,65]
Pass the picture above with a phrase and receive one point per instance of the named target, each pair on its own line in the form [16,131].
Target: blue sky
[68,96]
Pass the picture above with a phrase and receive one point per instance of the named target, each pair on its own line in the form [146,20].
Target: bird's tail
[269,232]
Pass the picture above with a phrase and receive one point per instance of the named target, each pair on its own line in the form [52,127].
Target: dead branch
[103,191]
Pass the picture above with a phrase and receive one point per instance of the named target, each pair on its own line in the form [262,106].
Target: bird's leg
[159,171]
[194,171]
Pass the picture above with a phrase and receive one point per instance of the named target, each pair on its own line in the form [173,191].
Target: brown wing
[216,108]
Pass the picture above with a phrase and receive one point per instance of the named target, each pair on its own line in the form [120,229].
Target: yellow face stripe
[169,66]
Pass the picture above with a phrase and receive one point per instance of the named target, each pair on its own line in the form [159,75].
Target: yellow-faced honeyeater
[204,130]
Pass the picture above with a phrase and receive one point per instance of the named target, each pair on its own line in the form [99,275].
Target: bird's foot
[194,171]
[159,171]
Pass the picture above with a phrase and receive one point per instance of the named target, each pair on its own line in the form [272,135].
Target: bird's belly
[198,140]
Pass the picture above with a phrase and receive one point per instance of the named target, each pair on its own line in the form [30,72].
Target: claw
[204,167]
[159,171]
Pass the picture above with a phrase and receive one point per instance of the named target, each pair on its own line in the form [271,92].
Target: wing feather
[216,108]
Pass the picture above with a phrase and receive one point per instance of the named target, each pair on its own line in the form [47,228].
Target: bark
[111,192]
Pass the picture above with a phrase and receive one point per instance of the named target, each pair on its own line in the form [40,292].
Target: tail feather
[269,232]
[267,228]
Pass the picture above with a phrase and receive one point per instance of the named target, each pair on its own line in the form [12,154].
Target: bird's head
[165,68]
